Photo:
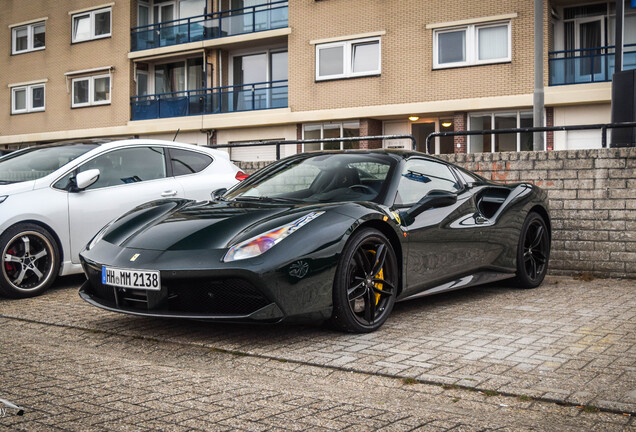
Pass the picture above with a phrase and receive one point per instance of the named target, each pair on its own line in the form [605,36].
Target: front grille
[225,296]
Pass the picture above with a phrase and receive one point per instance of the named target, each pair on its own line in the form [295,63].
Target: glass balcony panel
[247,97]
[587,66]
[202,27]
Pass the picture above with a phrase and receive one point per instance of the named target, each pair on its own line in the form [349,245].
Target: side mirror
[435,198]
[86,179]
[216,194]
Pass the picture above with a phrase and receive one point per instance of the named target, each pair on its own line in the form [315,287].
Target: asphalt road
[561,357]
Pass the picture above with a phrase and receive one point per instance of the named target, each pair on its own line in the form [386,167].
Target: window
[91,25]
[420,176]
[26,99]
[471,45]
[348,59]
[331,130]
[93,90]
[500,142]
[28,38]
[131,165]
[188,162]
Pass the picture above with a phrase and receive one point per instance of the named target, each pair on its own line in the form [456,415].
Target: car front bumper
[263,290]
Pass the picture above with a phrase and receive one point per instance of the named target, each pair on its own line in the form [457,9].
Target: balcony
[587,65]
[229,99]
[233,22]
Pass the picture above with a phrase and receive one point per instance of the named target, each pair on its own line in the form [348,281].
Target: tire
[364,288]
[533,252]
[30,261]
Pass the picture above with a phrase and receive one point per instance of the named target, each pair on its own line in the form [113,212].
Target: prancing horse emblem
[134,257]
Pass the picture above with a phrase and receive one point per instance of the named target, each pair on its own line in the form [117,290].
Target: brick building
[231,71]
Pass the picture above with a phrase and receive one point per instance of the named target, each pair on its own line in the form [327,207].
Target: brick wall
[59,57]
[592,203]
[407,52]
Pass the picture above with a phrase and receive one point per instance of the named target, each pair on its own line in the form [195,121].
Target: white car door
[199,173]
[128,177]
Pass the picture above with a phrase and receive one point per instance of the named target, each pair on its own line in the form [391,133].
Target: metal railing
[278,144]
[602,126]
[587,65]
[251,19]
[227,99]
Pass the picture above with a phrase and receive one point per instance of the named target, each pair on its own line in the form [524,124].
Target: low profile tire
[365,285]
[30,261]
[533,252]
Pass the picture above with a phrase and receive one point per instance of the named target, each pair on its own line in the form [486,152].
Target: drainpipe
[618,38]
[538,99]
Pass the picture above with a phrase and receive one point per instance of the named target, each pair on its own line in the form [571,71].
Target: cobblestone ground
[74,367]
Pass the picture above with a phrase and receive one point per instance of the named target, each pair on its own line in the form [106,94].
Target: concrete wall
[592,203]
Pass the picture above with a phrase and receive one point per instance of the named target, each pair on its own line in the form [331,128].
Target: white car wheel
[30,260]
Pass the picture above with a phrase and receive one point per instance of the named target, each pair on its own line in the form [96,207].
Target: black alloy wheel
[366,283]
[30,261]
[533,252]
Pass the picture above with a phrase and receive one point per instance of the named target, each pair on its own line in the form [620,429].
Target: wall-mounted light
[414,118]
[447,124]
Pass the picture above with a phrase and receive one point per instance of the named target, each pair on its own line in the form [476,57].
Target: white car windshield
[36,162]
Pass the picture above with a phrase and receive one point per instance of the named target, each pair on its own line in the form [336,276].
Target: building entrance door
[420,131]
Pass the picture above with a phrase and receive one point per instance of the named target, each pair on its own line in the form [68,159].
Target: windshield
[320,178]
[36,162]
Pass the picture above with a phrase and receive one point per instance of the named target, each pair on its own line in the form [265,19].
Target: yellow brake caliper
[378,285]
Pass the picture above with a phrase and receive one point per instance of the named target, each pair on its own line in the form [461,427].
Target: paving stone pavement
[79,368]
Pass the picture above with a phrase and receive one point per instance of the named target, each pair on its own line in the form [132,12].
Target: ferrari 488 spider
[338,236]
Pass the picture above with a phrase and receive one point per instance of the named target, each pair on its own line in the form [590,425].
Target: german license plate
[127,278]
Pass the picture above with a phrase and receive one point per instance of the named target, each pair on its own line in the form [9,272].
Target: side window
[421,176]
[188,162]
[131,165]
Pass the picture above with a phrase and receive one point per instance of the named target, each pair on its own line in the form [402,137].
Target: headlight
[263,242]
[2,198]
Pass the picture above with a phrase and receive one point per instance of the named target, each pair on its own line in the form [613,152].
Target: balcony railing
[211,26]
[587,65]
[228,99]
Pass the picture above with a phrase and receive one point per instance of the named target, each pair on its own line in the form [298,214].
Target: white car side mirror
[86,178]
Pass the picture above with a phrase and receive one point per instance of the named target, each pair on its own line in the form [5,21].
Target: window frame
[29,98]
[30,37]
[493,114]
[91,91]
[91,16]
[347,58]
[472,44]
[341,124]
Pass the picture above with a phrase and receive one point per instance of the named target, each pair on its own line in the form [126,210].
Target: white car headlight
[263,242]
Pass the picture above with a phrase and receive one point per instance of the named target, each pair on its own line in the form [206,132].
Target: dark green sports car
[338,236]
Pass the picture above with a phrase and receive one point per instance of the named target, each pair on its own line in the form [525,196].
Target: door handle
[168,193]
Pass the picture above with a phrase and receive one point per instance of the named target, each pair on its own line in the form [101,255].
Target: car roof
[395,153]
[104,144]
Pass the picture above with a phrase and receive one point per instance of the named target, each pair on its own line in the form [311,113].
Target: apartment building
[233,71]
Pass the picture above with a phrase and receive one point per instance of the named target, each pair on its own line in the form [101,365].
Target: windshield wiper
[268,199]
[4,182]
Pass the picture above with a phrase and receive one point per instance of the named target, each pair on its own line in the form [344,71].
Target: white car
[54,198]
